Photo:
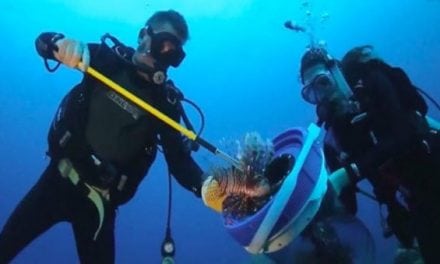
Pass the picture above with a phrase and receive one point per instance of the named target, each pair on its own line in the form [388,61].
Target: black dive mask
[318,88]
[171,57]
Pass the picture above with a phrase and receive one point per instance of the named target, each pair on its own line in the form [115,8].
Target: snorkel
[338,77]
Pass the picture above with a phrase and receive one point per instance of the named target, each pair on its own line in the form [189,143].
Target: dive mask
[317,88]
[160,41]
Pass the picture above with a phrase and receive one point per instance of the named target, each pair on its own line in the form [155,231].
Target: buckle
[95,195]
[67,171]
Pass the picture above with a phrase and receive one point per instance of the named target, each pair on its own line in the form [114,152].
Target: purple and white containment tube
[297,201]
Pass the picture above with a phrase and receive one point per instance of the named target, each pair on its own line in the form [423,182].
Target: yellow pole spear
[161,116]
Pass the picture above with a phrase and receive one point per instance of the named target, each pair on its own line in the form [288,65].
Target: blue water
[241,68]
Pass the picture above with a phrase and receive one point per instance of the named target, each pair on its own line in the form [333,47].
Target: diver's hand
[72,52]
[216,189]
[213,194]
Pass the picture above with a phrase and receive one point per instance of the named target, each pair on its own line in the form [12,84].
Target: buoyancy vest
[93,122]
[390,109]
[390,122]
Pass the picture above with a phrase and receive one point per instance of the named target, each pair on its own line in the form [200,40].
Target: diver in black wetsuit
[100,144]
[377,128]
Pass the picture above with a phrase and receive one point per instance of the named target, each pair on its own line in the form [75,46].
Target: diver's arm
[433,124]
[342,184]
[338,177]
[185,169]
[180,163]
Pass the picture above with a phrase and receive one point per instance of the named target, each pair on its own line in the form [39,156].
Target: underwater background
[241,68]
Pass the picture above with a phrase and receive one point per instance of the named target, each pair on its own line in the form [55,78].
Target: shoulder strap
[124,52]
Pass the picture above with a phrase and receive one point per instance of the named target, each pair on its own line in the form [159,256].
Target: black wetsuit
[103,126]
[393,147]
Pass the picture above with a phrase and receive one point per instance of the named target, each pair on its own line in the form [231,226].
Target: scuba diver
[377,128]
[101,145]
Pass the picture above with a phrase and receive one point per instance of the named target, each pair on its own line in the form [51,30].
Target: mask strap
[150,32]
